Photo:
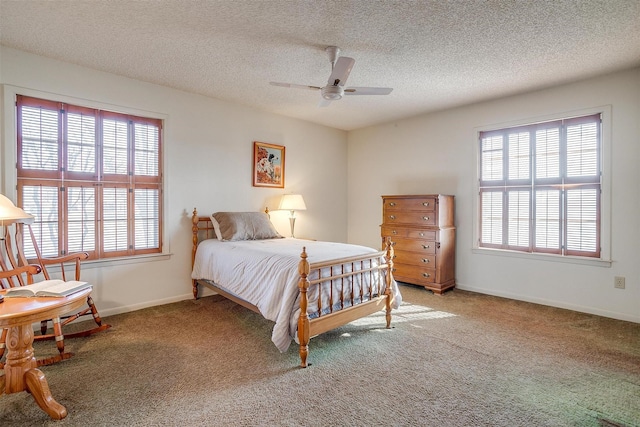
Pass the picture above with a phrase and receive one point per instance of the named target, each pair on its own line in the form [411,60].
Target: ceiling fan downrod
[333,52]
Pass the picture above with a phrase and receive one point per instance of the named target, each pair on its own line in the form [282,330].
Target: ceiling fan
[334,90]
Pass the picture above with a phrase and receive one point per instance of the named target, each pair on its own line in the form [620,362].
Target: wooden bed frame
[202,228]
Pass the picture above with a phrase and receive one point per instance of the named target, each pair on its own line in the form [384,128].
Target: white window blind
[518,218]
[147,218]
[547,153]
[43,203]
[81,143]
[492,156]
[91,178]
[519,155]
[40,136]
[115,223]
[540,187]
[547,217]
[582,220]
[492,217]
[146,149]
[81,224]
[115,149]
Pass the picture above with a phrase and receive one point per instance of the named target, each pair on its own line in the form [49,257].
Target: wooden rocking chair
[63,262]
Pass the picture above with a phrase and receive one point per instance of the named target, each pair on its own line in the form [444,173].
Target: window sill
[104,262]
[596,262]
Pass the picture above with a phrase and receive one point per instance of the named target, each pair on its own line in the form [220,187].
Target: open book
[47,288]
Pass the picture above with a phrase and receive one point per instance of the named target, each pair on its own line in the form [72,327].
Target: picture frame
[268,165]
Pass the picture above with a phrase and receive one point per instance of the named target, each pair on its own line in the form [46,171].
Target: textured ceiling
[434,54]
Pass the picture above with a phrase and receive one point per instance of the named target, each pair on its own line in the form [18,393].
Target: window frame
[604,258]
[10,176]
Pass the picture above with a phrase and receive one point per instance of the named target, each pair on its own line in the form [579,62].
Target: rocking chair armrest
[64,258]
[30,269]
[61,262]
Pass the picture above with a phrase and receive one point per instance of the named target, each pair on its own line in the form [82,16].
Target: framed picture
[268,165]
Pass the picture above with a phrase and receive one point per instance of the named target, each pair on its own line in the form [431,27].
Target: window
[91,178]
[540,187]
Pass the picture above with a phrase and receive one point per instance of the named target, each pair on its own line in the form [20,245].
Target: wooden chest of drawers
[424,239]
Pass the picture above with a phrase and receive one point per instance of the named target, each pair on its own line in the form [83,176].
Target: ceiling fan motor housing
[332,93]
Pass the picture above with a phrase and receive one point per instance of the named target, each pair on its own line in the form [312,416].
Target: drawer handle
[421,234]
[425,260]
[426,246]
[394,232]
[426,218]
[426,275]
[393,269]
[393,243]
[392,204]
[392,217]
[425,204]
[394,257]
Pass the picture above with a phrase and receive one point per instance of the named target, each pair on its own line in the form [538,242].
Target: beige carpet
[462,359]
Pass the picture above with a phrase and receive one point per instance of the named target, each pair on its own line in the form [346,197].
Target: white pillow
[244,226]
[216,227]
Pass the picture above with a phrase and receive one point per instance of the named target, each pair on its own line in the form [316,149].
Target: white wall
[208,151]
[436,153]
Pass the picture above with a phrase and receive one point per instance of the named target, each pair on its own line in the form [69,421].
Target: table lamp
[10,213]
[292,203]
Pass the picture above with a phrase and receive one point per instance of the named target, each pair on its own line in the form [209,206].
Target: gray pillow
[243,226]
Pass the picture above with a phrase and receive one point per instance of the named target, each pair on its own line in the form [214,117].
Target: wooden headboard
[202,229]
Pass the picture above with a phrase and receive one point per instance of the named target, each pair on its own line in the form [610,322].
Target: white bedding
[265,274]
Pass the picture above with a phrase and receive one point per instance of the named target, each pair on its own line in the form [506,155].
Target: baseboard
[134,307]
[551,303]
[105,313]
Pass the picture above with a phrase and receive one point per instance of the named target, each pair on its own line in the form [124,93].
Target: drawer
[425,260]
[412,245]
[413,274]
[417,219]
[424,204]
[412,233]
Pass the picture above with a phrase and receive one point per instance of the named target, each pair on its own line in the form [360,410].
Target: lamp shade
[292,202]
[9,213]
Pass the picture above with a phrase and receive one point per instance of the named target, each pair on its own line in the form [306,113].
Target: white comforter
[265,273]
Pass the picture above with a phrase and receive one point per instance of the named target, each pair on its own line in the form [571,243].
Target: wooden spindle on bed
[388,279]
[342,287]
[194,230]
[303,320]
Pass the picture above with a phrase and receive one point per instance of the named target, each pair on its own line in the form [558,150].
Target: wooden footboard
[380,296]
[332,308]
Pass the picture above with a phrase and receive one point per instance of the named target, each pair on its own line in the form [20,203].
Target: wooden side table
[20,370]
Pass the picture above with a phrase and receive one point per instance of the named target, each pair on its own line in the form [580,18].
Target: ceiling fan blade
[367,91]
[341,71]
[295,86]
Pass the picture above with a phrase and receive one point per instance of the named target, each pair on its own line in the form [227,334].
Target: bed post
[303,320]
[194,230]
[389,279]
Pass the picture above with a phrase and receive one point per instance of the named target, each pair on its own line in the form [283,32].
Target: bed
[306,287]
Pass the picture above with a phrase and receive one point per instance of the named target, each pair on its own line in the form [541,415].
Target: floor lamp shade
[292,203]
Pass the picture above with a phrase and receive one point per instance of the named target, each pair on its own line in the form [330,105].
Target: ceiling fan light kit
[341,67]
[332,93]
